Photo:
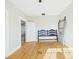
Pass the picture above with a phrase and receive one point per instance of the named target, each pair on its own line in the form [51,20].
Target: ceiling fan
[40,1]
[43,14]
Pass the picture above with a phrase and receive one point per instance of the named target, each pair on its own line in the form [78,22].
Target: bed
[47,35]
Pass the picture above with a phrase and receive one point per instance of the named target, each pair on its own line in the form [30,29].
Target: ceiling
[34,8]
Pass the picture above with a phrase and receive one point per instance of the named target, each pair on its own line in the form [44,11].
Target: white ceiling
[34,8]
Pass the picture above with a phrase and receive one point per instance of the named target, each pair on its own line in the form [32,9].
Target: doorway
[23,32]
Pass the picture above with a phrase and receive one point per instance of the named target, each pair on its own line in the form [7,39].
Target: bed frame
[47,35]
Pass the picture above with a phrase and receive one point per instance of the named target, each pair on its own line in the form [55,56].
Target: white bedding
[48,37]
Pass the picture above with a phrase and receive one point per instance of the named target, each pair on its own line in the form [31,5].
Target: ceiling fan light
[43,14]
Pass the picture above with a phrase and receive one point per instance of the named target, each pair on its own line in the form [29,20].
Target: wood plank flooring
[42,50]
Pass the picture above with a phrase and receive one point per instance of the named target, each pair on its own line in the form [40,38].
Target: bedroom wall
[44,22]
[13,28]
[68,35]
[31,32]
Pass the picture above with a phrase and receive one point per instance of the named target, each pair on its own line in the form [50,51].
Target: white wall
[13,28]
[68,35]
[45,22]
[31,32]
[6,34]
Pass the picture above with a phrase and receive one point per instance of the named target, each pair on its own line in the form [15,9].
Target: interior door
[22,32]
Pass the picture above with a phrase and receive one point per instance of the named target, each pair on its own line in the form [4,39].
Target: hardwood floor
[42,50]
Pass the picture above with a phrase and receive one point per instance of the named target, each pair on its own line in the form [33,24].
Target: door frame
[25,20]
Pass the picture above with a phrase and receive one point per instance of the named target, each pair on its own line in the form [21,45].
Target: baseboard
[47,40]
[13,51]
[32,41]
[67,45]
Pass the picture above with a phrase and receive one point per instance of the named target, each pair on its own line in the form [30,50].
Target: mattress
[48,37]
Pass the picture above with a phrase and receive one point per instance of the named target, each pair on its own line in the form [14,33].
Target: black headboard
[50,32]
[42,33]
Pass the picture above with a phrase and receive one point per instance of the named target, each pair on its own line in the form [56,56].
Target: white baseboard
[32,41]
[67,45]
[47,40]
[13,51]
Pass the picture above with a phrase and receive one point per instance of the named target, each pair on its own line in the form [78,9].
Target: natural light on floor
[55,53]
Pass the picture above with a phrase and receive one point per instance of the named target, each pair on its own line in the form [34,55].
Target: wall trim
[66,44]
[13,51]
